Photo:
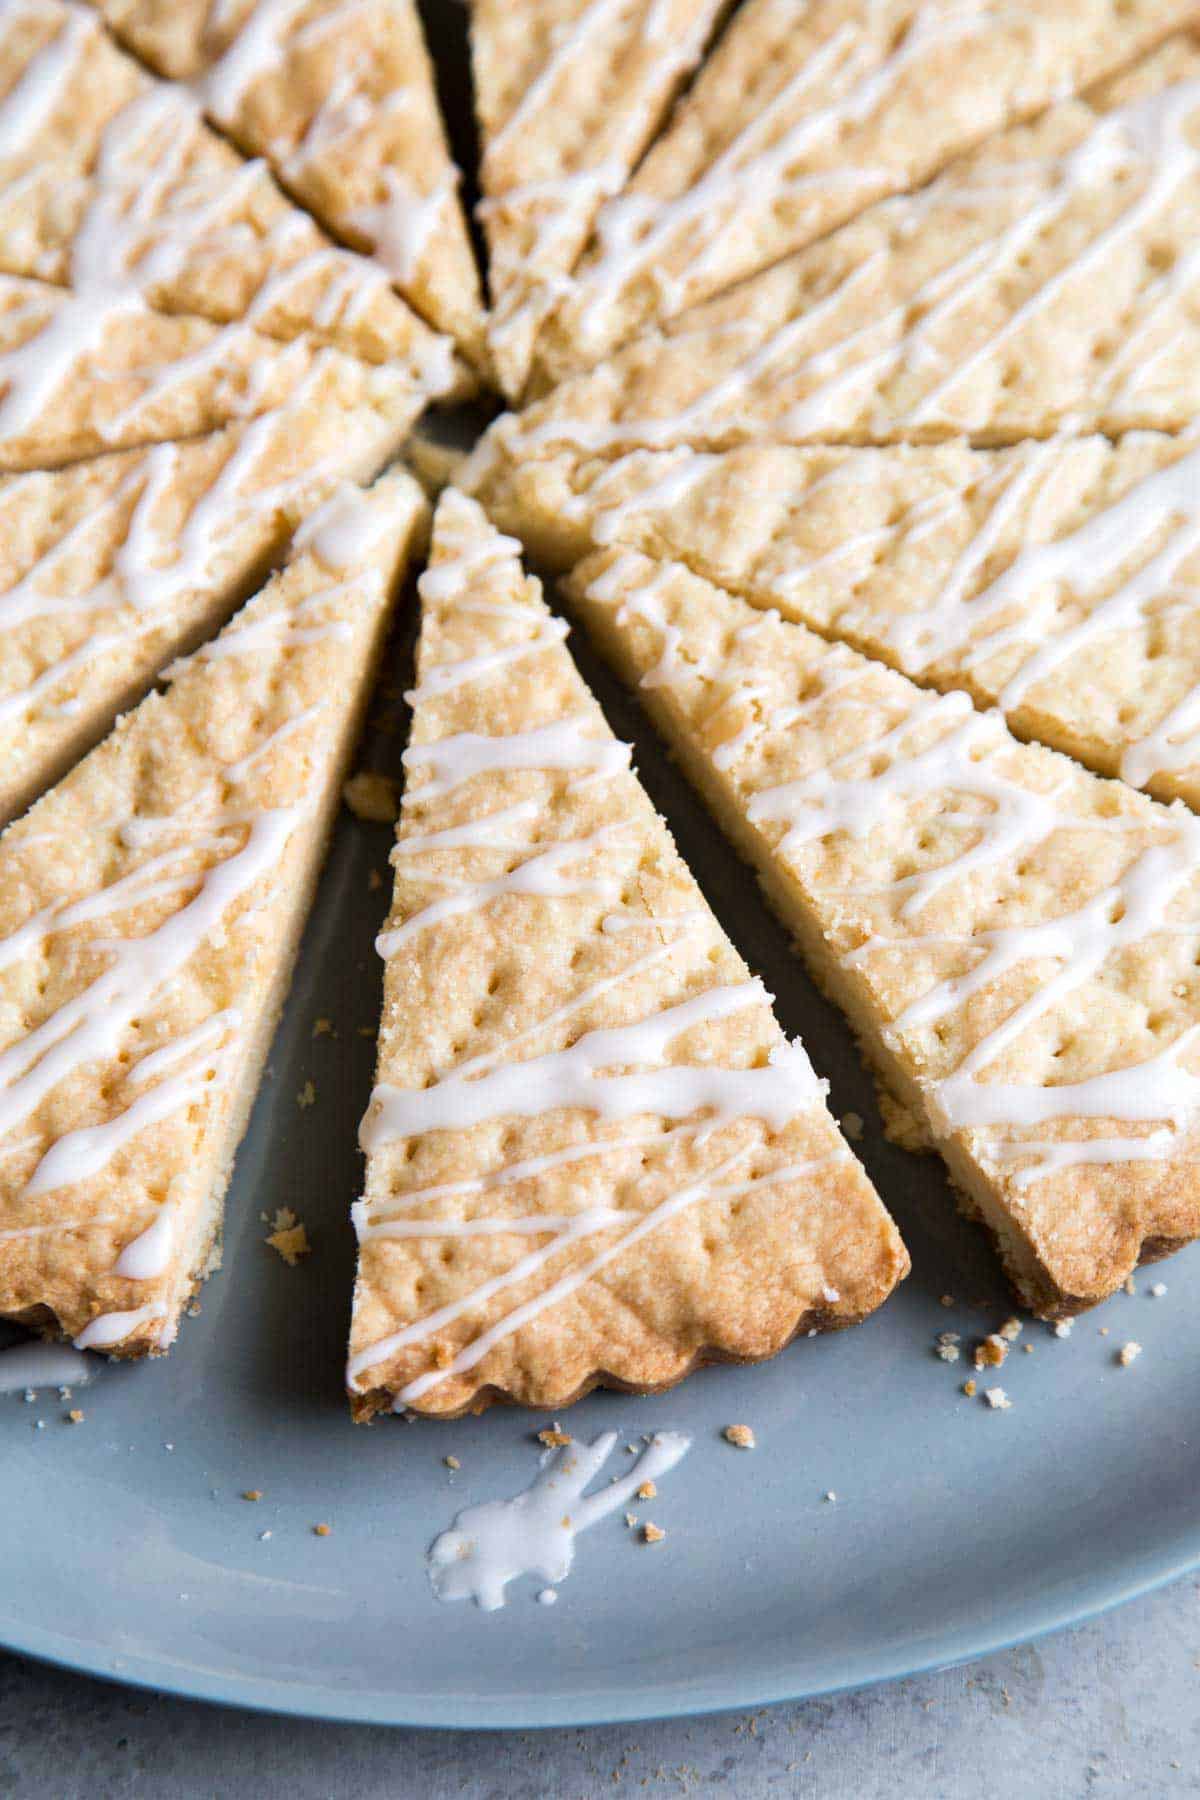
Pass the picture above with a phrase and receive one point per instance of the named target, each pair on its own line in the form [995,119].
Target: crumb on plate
[372,797]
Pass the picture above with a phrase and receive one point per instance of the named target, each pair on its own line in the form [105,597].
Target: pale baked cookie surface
[110,179]
[150,908]
[1013,938]
[1057,580]
[802,117]
[1046,281]
[592,1154]
[111,567]
[341,101]
[568,93]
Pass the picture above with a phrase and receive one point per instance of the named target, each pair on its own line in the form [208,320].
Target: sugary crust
[797,123]
[111,567]
[502,972]
[116,180]
[908,842]
[568,93]
[341,101]
[1045,578]
[246,737]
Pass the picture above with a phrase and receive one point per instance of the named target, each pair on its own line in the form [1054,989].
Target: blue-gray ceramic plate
[129,1551]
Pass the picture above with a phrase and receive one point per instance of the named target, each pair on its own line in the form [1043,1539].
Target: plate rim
[679,1699]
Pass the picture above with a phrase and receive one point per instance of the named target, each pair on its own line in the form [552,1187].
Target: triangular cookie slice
[592,1156]
[110,568]
[150,909]
[82,373]
[1047,281]
[568,94]
[110,180]
[1014,939]
[341,101]
[800,120]
[1058,580]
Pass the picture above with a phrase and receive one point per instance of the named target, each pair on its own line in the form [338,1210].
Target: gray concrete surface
[1112,1708]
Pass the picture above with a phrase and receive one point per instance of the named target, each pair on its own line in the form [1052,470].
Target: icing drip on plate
[534,1533]
[24,1368]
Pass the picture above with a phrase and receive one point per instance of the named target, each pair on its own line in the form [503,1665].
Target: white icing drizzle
[545,873]
[774,1092]
[24,1368]
[202,1055]
[344,529]
[402,223]
[448,676]
[489,1546]
[564,745]
[109,1329]
[89,1025]
[38,91]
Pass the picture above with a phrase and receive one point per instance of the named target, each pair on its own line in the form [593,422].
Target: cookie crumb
[322,1028]
[829,1496]
[1011,1330]
[288,1237]
[970,1389]
[990,1352]
[252,1494]
[1130,1285]
[651,1533]
[852,1126]
[740,1436]
[631,1520]
[554,1439]
[1158,1290]
[1028,1349]
[647,1491]
[372,797]
[264,1537]
[946,1300]
[322,1530]
[997,1399]
[947,1346]
[1062,1327]
[1128,1353]
[547,1596]
[75,1416]
[452,1462]
[307,1095]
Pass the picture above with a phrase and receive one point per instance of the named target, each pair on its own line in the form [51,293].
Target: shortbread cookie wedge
[802,118]
[1057,580]
[109,568]
[1047,281]
[110,180]
[568,94]
[341,101]
[81,373]
[1014,939]
[150,909]
[592,1155]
